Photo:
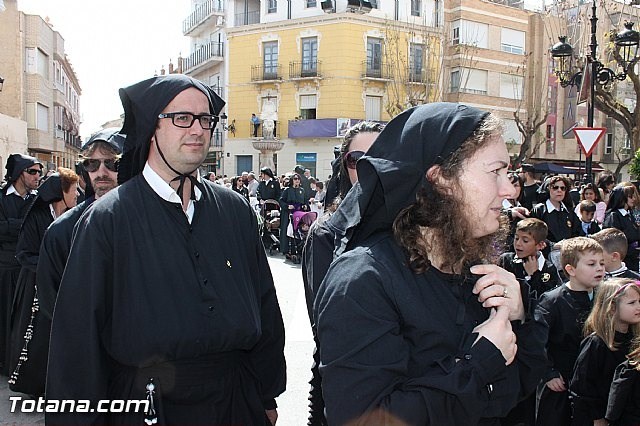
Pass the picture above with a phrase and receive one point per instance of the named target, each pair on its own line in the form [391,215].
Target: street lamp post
[562,53]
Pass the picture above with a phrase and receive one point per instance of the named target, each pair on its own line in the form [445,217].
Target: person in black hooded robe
[22,178]
[318,249]
[29,328]
[622,200]
[102,150]
[167,295]
[414,326]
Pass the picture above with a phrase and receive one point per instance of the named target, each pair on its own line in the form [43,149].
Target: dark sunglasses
[352,157]
[93,164]
[296,178]
[561,188]
[33,172]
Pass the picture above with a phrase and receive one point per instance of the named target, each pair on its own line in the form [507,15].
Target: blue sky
[114,43]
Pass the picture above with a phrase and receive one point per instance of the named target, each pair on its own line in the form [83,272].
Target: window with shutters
[512,41]
[511,86]
[373,108]
[308,105]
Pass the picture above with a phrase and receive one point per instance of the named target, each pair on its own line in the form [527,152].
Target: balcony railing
[211,50]
[218,90]
[377,70]
[201,14]
[266,73]
[248,18]
[304,69]
[421,75]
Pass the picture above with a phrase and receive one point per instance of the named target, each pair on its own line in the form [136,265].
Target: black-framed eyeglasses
[352,157]
[93,164]
[33,172]
[185,120]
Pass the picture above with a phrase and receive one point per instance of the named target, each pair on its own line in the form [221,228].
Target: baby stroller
[299,224]
[270,225]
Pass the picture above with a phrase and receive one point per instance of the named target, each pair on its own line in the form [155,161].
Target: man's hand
[497,287]
[272,415]
[557,384]
[497,329]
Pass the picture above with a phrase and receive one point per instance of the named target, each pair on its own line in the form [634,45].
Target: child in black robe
[613,322]
[588,226]
[623,408]
[564,310]
[614,248]
[536,275]
[618,215]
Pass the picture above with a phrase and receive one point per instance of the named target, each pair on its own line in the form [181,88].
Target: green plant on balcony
[634,166]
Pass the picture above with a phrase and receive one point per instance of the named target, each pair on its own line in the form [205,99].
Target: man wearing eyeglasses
[100,156]
[22,178]
[167,296]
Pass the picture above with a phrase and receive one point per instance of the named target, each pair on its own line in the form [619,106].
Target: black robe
[562,224]
[540,282]
[626,224]
[592,376]
[623,408]
[12,211]
[269,191]
[31,373]
[290,196]
[529,197]
[146,294]
[399,346]
[564,311]
[54,252]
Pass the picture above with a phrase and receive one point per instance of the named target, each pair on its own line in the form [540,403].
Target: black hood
[394,168]
[142,103]
[616,198]
[51,189]
[16,164]
[110,135]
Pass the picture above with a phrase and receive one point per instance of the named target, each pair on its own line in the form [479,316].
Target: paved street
[299,347]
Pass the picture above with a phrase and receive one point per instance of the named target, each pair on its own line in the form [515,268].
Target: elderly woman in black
[415,326]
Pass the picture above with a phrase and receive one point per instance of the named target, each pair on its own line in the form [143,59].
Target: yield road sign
[588,137]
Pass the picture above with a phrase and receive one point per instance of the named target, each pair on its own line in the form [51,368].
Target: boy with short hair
[564,310]
[536,275]
[614,247]
[588,226]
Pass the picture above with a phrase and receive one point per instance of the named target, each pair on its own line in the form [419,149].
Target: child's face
[588,272]
[587,216]
[524,244]
[611,263]
[628,308]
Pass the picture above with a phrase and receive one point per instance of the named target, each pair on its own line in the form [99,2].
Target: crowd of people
[442,288]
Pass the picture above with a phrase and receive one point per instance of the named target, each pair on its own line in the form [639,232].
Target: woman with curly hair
[414,323]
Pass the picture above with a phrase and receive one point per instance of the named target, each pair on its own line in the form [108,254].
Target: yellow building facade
[313,77]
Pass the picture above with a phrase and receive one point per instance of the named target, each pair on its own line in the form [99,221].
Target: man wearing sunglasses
[22,178]
[100,156]
[167,296]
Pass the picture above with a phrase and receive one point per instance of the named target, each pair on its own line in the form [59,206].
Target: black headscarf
[142,103]
[617,199]
[394,168]
[16,164]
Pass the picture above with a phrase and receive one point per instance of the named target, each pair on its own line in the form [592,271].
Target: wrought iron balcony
[266,73]
[424,76]
[201,13]
[212,51]
[376,69]
[304,69]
